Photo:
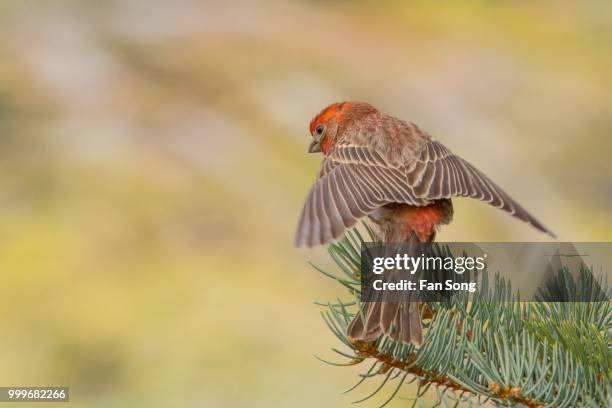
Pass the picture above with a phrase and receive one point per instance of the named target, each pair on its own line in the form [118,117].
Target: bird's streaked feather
[356,180]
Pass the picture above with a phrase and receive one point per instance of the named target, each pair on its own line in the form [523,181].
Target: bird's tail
[399,320]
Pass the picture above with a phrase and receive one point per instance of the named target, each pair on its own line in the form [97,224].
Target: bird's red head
[327,127]
[333,111]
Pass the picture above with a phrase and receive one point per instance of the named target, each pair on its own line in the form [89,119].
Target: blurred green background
[153,164]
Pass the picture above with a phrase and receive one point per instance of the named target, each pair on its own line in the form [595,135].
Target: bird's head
[328,126]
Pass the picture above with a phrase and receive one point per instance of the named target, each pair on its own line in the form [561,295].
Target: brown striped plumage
[373,162]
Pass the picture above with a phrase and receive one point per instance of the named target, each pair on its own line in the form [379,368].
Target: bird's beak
[315,146]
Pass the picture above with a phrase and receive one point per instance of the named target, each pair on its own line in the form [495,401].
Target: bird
[398,176]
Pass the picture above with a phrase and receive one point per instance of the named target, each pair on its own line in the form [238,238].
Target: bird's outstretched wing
[355,180]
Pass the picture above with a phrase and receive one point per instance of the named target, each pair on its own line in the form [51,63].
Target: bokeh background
[153,164]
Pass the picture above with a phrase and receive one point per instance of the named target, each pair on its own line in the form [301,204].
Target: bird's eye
[319,130]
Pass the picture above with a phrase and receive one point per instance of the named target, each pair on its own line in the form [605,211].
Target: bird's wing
[356,180]
[353,182]
[438,173]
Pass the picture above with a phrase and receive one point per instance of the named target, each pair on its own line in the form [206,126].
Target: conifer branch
[493,349]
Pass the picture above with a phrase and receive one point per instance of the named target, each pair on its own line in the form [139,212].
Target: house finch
[391,171]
